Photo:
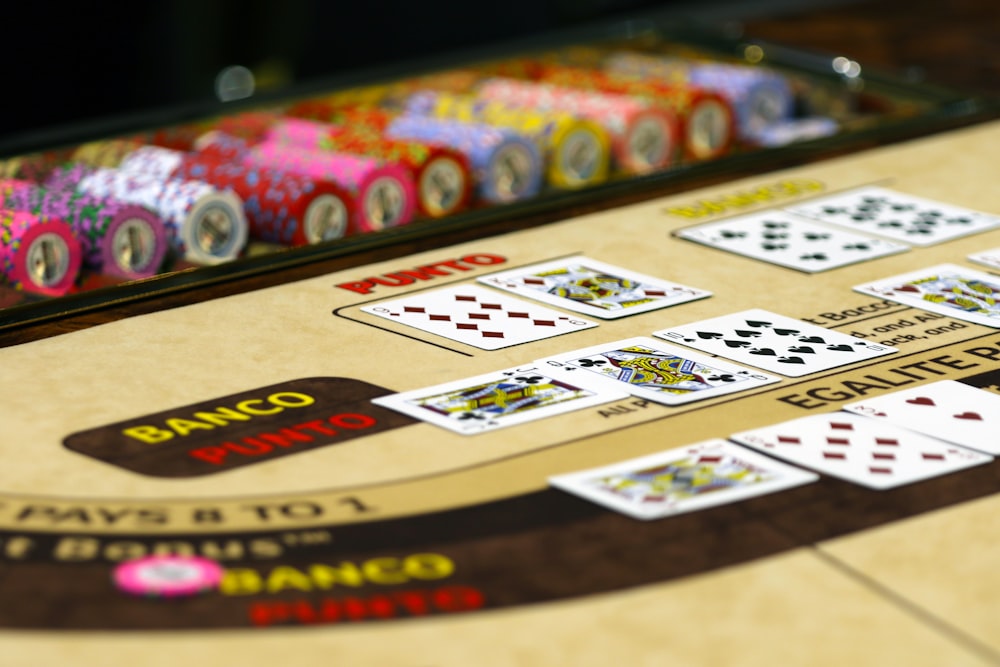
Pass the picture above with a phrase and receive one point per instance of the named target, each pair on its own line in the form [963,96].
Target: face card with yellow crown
[498,399]
[685,479]
[956,291]
[653,370]
[587,286]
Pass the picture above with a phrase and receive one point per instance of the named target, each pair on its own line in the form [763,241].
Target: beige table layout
[849,578]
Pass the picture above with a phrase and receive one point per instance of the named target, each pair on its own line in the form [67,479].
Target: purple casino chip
[507,166]
[117,238]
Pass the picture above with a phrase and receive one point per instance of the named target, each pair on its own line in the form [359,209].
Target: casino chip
[506,165]
[168,576]
[782,133]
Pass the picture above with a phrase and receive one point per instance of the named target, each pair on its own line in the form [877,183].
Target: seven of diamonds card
[478,316]
[653,370]
[494,400]
[858,449]
[789,240]
[896,215]
[949,410]
[593,288]
[774,342]
[685,479]
[948,289]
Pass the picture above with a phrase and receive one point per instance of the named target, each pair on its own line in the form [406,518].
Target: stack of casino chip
[392,94]
[706,117]
[36,166]
[644,137]
[38,254]
[665,68]
[321,111]
[116,238]
[280,207]
[220,145]
[577,151]
[384,192]
[251,126]
[506,166]
[204,225]
[511,68]
[351,118]
[440,175]
[308,134]
[530,66]
[105,153]
[760,97]
[177,137]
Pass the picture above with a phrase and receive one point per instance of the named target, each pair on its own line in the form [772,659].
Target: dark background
[73,63]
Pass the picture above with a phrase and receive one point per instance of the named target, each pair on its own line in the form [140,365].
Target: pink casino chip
[168,576]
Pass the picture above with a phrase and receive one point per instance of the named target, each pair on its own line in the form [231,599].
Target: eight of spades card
[791,241]
[774,342]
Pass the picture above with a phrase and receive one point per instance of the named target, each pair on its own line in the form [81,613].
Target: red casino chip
[384,192]
[280,207]
[441,175]
[251,126]
[37,254]
[707,120]
[643,135]
[178,137]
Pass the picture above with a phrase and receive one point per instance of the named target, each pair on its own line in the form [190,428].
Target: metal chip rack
[866,108]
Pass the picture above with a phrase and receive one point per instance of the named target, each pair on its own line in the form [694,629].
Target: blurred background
[76,63]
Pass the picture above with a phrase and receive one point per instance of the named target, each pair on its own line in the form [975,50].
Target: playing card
[656,371]
[947,289]
[495,400]
[477,316]
[865,451]
[789,240]
[896,215]
[774,342]
[685,479]
[990,258]
[593,288]
[948,410]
